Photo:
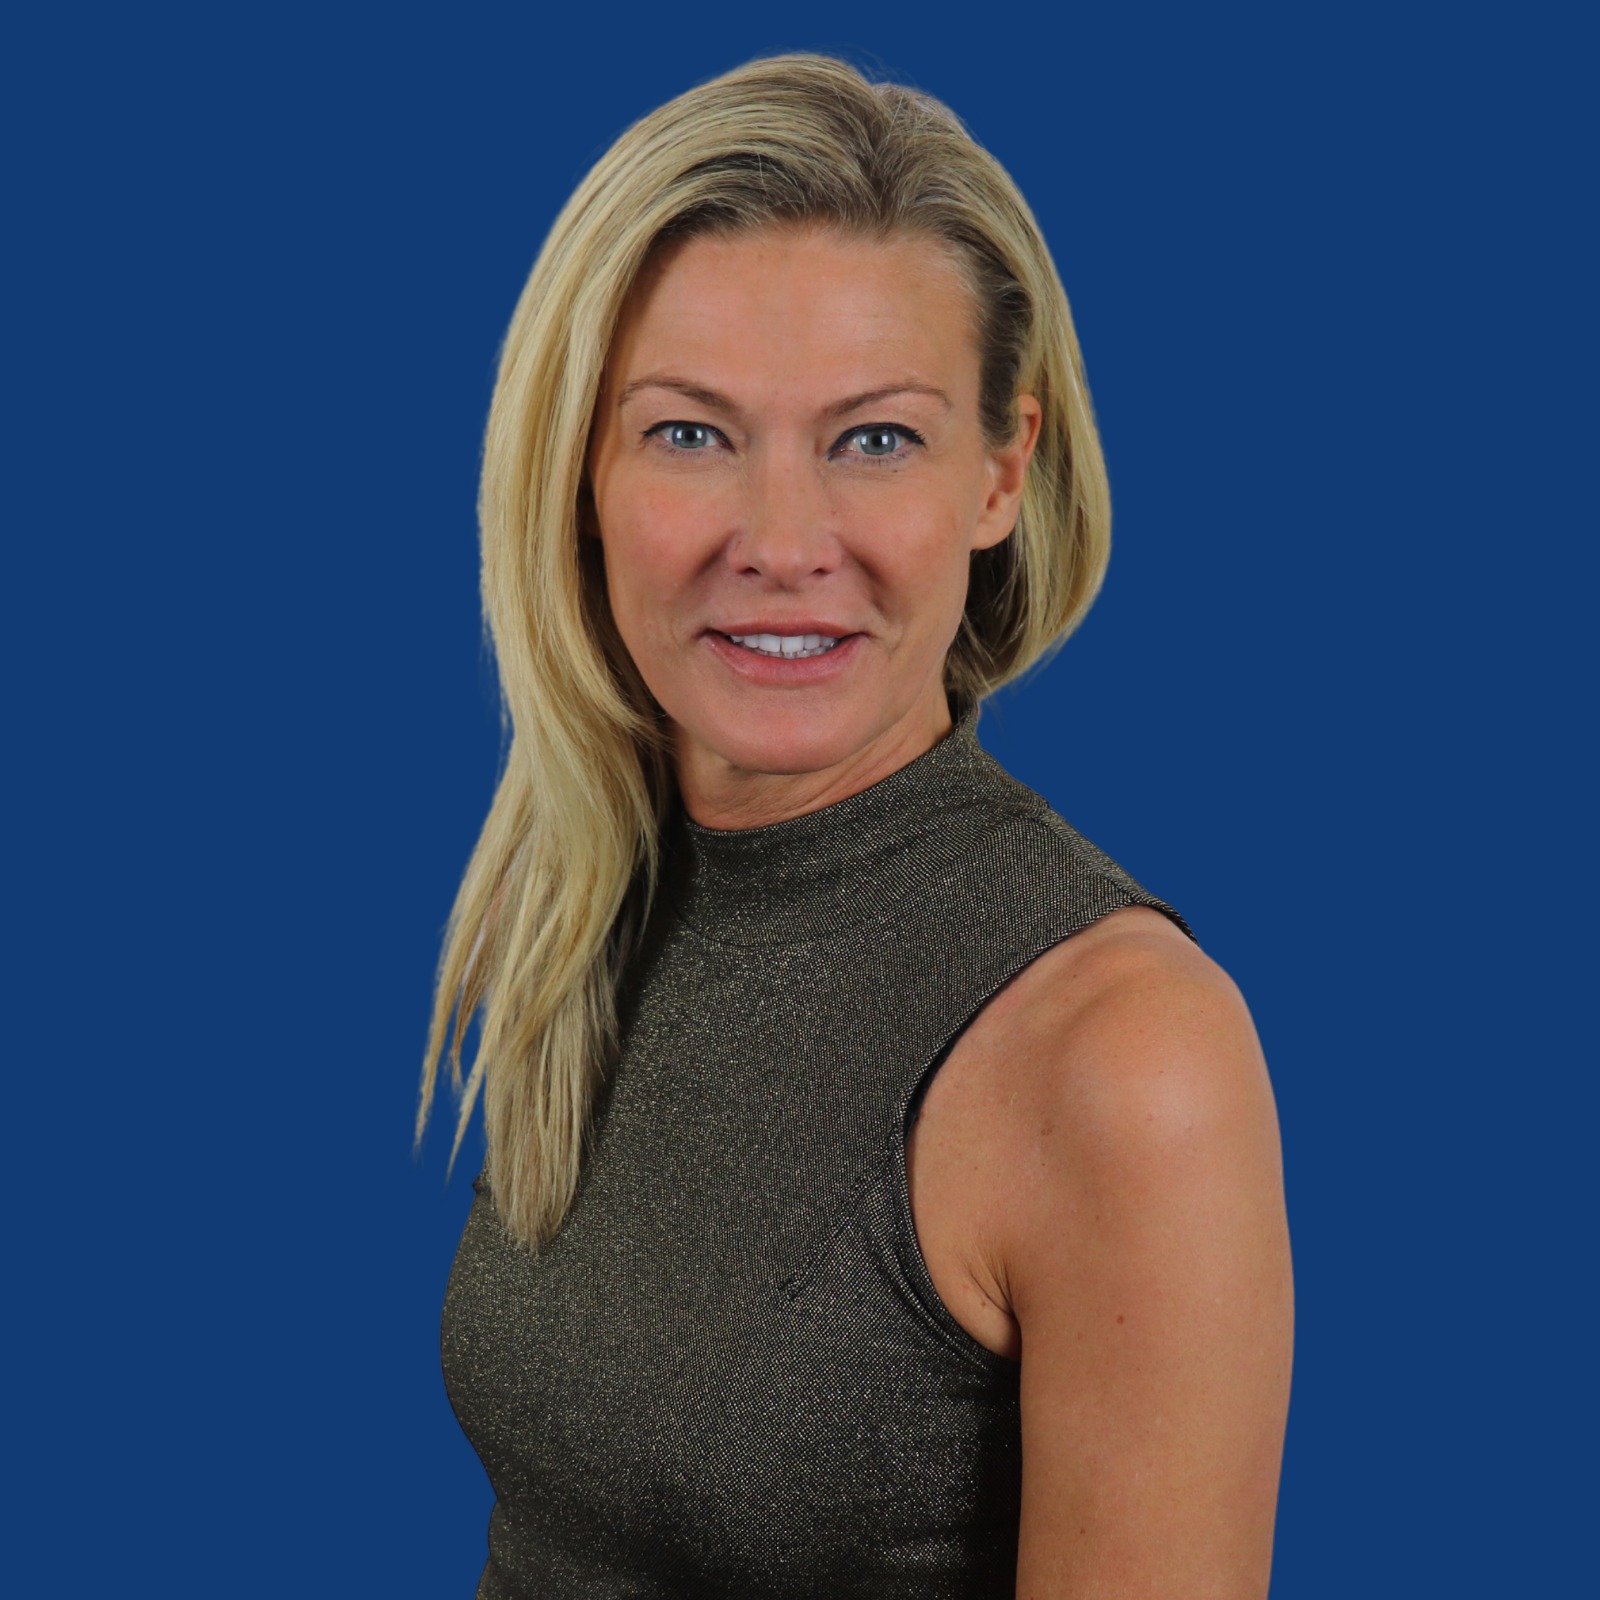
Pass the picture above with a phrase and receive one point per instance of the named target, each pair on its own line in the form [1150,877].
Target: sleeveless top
[729,1373]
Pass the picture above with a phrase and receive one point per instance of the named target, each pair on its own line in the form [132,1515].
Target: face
[787,453]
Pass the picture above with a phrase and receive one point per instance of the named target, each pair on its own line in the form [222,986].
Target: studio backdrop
[1326,272]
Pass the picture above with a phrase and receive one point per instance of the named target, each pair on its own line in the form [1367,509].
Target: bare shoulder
[1135,950]
[1134,1030]
[1134,1084]
[1142,1249]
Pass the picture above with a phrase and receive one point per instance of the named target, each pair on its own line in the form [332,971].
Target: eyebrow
[717,401]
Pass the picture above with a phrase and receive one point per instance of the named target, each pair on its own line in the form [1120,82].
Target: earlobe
[1008,472]
[999,517]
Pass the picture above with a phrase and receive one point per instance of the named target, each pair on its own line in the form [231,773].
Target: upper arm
[1146,1262]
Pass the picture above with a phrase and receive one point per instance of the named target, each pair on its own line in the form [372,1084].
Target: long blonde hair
[561,880]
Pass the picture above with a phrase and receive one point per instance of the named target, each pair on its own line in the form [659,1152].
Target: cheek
[929,562]
[650,556]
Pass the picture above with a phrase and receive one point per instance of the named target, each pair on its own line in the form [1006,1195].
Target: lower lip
[779,672]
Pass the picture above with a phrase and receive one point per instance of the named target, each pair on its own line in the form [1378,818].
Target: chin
[787,752]
[781,741]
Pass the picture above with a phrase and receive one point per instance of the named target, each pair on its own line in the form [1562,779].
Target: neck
[819,873]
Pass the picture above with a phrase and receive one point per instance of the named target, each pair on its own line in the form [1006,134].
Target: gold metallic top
[729,1373]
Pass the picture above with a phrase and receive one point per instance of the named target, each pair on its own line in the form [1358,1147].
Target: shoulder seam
[1103,865]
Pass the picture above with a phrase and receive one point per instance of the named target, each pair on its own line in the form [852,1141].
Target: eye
[881,441]
[686,438]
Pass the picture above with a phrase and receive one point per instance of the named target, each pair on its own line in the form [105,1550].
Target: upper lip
[784,630]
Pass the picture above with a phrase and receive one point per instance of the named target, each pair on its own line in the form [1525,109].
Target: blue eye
[878,441]
[882,441]
[688,435]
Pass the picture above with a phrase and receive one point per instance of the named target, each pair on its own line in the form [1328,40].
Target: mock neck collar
[814,875]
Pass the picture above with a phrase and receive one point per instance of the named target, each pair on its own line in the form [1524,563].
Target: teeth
[791,646]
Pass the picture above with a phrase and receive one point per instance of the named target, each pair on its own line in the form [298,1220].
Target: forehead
[798,303]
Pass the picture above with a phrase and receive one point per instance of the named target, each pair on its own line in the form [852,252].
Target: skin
[1095,1174]
[781,510]
[1097,1186]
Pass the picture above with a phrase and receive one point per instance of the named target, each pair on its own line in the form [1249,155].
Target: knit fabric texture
[729,1373]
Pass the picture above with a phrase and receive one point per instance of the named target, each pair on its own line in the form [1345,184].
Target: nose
[787,523]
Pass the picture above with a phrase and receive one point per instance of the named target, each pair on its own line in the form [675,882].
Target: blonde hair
[563,875]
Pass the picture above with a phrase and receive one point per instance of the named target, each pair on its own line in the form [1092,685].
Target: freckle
[1122,1319]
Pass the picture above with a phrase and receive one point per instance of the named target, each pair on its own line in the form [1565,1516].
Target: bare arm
[1146,1262]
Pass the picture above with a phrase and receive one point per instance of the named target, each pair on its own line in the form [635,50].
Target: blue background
[1327,267]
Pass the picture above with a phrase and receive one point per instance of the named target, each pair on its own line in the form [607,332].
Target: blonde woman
[883,1193]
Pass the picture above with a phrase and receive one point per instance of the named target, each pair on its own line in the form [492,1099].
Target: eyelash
[911,434]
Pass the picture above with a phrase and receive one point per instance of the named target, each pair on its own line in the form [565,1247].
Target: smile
[786,660]
[794,646]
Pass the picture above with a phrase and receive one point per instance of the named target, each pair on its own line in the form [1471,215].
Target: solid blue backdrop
[1325,268]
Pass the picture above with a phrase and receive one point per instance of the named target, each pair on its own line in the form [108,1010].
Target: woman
[882,1193]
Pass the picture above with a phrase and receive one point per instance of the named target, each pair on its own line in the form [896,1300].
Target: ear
[1005,472]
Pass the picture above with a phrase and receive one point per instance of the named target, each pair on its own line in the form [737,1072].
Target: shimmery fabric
[729,1374]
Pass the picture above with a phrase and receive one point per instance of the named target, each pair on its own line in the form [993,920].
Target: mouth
[813,653]
[788,646]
